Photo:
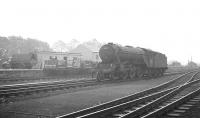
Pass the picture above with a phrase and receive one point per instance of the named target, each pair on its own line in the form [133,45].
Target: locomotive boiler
[129,62]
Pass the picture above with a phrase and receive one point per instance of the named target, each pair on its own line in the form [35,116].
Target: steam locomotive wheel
[132,73]
[159,73]
[162,72]
[100,76]
[114,76]
[149,73]
[124,75]
[140,73]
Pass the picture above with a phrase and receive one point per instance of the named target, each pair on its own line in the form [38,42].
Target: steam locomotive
[120,62]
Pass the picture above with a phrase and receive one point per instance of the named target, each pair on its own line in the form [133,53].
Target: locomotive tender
[128,62]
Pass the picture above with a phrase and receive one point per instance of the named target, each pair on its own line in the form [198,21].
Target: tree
[192,64]
[17,44]
[3,56]
[60,46]
[175,64]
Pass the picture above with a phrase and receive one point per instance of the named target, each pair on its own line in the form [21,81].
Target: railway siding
[17,76]
[8,90]
[83,98]
[117,104]
[13,75]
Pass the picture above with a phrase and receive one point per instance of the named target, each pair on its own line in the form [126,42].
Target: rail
[122,100]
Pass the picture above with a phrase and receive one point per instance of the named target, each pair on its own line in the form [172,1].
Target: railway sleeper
[184,108]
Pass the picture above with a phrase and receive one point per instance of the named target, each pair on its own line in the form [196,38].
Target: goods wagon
[23,61]
[66,63]
[68,67]
[129,62]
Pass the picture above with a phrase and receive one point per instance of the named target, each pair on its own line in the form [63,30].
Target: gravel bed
[193,112]
[66,101]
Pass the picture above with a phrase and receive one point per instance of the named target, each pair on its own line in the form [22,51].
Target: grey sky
[171,27]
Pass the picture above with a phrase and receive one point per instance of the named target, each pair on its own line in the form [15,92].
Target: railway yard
[99,59]
[176,94]
[128,82]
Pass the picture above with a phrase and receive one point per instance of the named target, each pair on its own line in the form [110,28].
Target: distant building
[87,54]
[192,64]
[74,60]
[43,56]
[96,57]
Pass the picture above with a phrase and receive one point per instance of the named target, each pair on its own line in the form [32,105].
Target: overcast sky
[168,26]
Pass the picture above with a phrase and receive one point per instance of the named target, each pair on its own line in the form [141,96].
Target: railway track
[178,105]
[106,108]
[25,79]
[18,89]
[153,90]
[28,88]
[150,108]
